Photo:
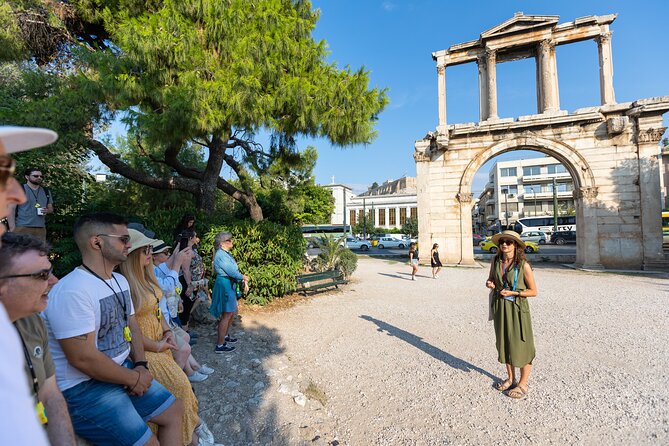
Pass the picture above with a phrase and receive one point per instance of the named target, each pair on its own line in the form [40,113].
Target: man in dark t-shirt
[25,279]
[29,217]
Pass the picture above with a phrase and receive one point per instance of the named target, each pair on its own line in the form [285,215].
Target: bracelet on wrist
[139,375]
[144,364]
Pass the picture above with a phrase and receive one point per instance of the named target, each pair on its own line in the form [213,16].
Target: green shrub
[269,253]
[348,262]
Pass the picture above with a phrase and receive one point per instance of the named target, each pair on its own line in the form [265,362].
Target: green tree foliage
[365,226]
[214,73]
[334,255]
[410,227]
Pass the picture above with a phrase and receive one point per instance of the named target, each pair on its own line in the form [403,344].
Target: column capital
[464,198]
[547,45]
[441,69]
[491,54]
[605,37]
[652,135]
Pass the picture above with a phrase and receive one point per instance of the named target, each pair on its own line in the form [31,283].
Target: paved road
[548,249]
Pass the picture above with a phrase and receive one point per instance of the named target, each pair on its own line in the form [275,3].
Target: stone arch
[575,163]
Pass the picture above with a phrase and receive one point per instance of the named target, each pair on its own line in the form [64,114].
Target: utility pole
[555,206]
[506,208]
[344,190]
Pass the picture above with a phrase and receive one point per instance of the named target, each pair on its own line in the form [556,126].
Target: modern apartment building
[523,188]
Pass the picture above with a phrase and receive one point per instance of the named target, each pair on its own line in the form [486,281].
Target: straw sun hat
[513,235]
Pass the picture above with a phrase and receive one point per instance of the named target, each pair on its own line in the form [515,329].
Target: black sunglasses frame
[39,275]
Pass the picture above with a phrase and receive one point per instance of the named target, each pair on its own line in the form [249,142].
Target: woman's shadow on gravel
[431,350]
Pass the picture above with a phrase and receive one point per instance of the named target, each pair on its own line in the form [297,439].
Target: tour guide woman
[512,280]
[224,296]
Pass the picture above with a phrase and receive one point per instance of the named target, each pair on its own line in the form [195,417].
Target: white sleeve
[70,312]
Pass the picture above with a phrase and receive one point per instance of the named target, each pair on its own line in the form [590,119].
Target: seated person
[92,327]
[25,278]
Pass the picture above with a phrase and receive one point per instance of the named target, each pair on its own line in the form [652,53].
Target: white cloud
[389,6]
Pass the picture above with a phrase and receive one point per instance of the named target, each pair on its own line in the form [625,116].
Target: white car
[534,236]
[389,242]
[353,243]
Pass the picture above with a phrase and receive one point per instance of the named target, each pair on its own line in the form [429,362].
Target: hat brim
[138,240]
[508,234]
[18,139]
[159,246]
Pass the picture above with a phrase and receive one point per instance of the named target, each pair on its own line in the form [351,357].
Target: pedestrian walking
[512,281]
[434,261]
[413,259]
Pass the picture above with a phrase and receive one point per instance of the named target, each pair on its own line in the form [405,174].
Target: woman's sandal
[518,392]
[505,385]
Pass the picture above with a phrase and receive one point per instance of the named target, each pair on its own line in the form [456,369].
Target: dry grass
[315,393]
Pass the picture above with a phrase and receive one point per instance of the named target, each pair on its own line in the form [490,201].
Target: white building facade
[523,188]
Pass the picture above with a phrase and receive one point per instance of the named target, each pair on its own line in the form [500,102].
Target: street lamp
[506,208]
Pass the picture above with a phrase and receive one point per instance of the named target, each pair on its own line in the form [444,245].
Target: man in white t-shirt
[92,333]
[18,420]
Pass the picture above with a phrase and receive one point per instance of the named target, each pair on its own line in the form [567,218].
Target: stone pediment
[520,23]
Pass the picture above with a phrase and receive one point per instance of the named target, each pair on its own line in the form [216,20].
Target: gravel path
[402,362]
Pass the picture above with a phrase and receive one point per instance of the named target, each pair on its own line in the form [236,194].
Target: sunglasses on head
[39,275]
[506,242]
[7,169]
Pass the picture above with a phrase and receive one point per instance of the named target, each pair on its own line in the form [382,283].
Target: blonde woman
[158,338]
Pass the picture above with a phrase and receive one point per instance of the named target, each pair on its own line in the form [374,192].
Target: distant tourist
[413,259]
[512,280]
[434,261]
[29,217]
[224,299]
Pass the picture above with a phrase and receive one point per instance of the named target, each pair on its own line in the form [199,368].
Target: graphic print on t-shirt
[112,322]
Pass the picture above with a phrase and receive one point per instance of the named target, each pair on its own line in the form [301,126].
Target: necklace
[120,299]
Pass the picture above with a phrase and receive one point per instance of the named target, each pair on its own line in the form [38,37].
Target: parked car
[390,242]
[477,238]
[562,237]
[354,243]
[534,236]
[487,245]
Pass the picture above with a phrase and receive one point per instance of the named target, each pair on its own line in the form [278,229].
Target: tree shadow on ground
[233,399]
[416,341]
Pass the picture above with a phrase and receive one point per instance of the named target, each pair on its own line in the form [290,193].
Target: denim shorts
[104,414]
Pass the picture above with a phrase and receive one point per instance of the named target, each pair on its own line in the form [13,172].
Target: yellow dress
[164,369]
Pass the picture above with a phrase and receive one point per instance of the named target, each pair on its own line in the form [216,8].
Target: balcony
[545,177]
[547,194]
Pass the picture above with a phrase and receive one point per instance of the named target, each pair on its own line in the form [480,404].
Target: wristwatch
[144,364]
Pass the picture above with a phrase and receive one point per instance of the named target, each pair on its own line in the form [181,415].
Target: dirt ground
[389,361]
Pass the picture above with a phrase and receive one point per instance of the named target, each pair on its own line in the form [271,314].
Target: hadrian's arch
[610,150]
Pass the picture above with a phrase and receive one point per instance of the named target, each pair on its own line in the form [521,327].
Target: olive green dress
[513,325]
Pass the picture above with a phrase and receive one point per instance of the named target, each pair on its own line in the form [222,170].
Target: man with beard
[25,279]
[29,217]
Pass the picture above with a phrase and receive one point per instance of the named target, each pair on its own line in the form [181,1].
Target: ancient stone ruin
[610,150]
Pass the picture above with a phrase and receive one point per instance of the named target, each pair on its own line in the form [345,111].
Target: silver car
[353,243]
[534,236]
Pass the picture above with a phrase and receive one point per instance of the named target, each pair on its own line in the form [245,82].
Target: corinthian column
[548,88]
[483,87]
[606,69]
[491,69]
[441,88]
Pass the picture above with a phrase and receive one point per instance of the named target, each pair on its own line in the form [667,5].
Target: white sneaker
[205,369]
[200,442]
[197,377]
[204,434]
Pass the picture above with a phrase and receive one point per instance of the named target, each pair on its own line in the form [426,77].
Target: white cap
[18,139]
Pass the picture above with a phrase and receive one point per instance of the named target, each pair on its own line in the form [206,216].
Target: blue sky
[394,41]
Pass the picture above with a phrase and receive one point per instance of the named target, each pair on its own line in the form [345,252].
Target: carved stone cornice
[464,198]
[653,135]
[587,193]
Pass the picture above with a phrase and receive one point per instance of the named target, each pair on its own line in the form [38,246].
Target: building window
[510,189]
[531,170]
[532,188]
[361,216]
[351,217]
[556,168]
[403,216]
[382,217]
[370,217]
[392,217]
[508,171]
[414,213]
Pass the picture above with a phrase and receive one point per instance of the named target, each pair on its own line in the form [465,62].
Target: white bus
[310,231]
[545,224]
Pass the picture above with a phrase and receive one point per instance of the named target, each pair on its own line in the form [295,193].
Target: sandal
[518,392]
[505,385]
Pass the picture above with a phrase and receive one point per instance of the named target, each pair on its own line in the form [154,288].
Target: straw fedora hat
[138,240]
[513,235]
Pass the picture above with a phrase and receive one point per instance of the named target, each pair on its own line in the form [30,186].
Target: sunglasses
[166,252]
[506,242]
[124,238]
[7,169]
[147,249]
[36,176]
[39,275]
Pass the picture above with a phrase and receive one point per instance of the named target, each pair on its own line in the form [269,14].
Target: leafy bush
[348,262]
[269,253]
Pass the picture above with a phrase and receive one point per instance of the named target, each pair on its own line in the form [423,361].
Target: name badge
[127,334]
